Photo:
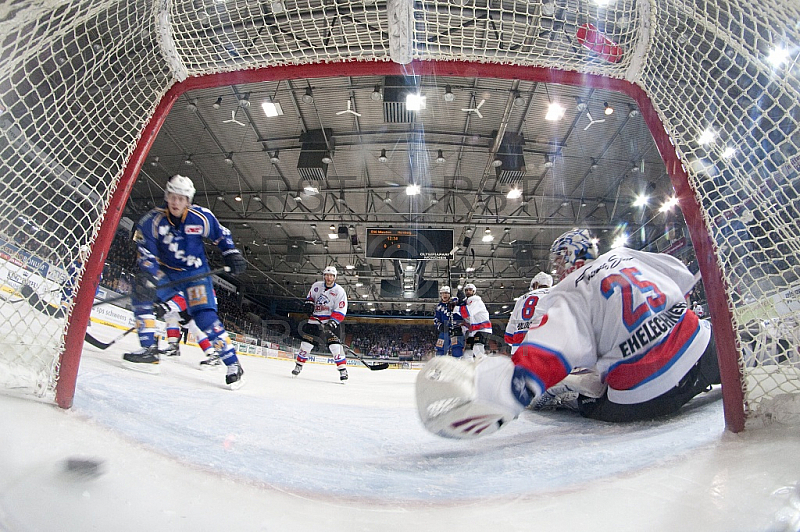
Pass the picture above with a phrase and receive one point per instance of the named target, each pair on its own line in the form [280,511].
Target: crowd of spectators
[404,342]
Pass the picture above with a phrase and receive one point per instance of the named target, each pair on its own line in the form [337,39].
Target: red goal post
[121,66]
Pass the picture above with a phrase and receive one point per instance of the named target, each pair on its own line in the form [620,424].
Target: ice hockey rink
[179,451]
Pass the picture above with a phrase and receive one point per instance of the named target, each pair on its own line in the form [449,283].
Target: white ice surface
[179,451]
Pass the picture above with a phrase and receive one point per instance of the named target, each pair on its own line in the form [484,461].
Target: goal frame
[721,317]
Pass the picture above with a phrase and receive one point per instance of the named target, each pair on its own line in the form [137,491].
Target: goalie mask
[572,250]
[180,185]
[541,280]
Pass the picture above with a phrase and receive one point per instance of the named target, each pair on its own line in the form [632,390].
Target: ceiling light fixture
[382,157]
[229,159]
[608,109]
[555,112]
[192,106]
[275,158]
[271,109]
[376,93]
[244,100]
[440,157]
[519,101]
[415,102]
[327,158]
[448,94]
[412,190]
[218,103]
[308,97]
[548,162]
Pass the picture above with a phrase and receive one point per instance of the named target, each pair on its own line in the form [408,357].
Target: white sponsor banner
[222,283]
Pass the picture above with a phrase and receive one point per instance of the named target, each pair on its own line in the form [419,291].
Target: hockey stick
[101,345]
[171,284]
[374,367]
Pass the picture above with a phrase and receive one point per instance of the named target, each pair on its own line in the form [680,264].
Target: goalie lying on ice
[622,315]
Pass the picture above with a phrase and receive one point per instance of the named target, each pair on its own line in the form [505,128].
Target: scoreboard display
[409,244]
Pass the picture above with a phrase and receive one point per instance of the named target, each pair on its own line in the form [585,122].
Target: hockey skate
[235,376]
[558,396]
[145,359]
[297,369]
[172,350]
[565,394]
[212,360]
[342,374]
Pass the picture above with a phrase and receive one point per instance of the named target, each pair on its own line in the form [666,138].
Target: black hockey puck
[84,467]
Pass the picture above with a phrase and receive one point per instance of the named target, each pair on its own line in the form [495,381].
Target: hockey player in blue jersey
[451,338]
[170,247]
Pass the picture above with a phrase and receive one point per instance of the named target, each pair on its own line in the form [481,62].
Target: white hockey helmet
[444,289]
[331,270]
[470,286]
[543,280]
[570,250]
[180,185]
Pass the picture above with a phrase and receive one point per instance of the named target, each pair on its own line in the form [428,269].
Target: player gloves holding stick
[449,337]
[327,306]
[170,245]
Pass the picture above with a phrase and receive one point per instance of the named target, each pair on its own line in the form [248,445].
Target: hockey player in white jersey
[623,314]
[327,307]
[476,320]
[524,316]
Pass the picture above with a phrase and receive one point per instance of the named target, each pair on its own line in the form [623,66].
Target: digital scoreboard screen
[409,244]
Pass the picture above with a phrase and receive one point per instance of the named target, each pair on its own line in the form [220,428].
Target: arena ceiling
[264,177]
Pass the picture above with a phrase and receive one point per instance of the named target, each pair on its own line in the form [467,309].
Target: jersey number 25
[626,281]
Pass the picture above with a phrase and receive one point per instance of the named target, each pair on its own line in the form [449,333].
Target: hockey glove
[160,309]
[464,399]
[185,317]
[331,327]
[234,260]
[145,286]
[308,307]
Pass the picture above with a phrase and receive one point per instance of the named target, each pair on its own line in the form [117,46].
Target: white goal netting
[80,81]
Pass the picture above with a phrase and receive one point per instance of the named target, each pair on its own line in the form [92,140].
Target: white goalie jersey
[624,314]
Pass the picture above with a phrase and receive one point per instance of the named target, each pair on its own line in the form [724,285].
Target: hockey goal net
[85,85]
